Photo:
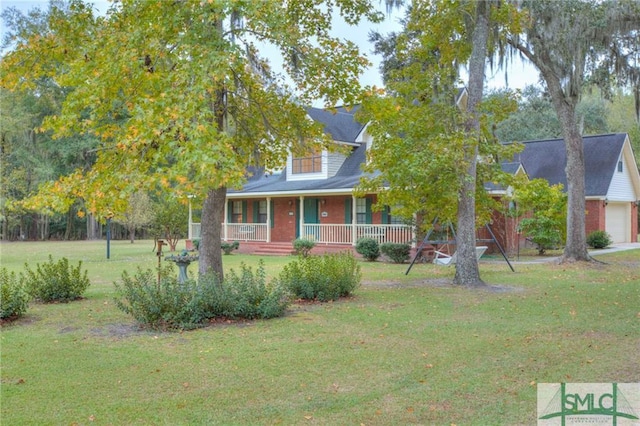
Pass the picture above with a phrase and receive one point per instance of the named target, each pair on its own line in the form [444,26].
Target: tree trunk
[132,233]
[467,271]
[575,248]
[211,236]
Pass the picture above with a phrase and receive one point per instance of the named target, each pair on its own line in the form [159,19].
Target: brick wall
[594,219]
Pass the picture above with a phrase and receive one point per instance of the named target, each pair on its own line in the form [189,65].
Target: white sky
[519,74]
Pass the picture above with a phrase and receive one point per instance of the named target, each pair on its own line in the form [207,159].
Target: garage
[618,221]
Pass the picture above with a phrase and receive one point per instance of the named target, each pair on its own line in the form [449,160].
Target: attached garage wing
[618,221]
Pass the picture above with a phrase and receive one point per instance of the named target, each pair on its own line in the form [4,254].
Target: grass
[406,349]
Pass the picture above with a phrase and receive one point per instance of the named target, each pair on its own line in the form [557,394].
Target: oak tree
[180,95]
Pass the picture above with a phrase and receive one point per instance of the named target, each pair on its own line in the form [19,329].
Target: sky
[519,74]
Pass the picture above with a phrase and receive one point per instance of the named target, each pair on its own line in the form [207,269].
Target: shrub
[303,246]
[227,248]
[248,295]
[196,243]
[170,305]
[543,231]
[55,281]
[14,299]
[368,248]
[322,278]
[397,252]
[599,239]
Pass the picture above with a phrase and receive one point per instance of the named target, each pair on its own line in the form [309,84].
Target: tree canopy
[428,138]
[179,94]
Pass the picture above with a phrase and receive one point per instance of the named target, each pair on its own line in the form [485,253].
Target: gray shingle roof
[341,124]
[347,177]
[547,159]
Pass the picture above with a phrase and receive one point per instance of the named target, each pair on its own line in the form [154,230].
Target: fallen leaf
[308,417]
[92,418]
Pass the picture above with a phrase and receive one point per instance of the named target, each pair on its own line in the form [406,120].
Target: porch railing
[320,233]
[343,234]
[246,232]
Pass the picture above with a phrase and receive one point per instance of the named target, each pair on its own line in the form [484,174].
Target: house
[612,181]
[312,197]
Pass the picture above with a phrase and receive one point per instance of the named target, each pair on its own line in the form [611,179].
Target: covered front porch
[339,219]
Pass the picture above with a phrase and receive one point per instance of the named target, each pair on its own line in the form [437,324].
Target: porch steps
[274,249]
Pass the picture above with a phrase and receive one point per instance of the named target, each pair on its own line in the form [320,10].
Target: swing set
[442,258]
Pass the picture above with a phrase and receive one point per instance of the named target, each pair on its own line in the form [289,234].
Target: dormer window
[309,164]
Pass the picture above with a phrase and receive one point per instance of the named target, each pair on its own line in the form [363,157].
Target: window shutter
[256,211]
[244,211]
[348,210]
[385,215]
[229,211]
[272,213]
[368,210]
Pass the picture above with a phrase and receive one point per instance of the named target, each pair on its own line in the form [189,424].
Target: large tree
[180,96]
[426,146]
[574,43]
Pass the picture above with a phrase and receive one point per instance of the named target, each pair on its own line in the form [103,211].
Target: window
[262,211]
[620,166]
[236,212]
[361,210]
[310,164]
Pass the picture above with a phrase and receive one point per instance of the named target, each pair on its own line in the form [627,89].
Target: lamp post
[109,217]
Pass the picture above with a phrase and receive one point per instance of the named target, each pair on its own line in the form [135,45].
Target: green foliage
[14,299]
[542,231]
[322,278]
[368,248]
[303,246]
[196,243]
[227,248]
[248,295]
[170,305]
[397,252]
[56,281]
[547,206]
[599,239]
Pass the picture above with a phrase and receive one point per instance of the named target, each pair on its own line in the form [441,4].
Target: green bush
[303,246]
[196,243]
[14,299]
[227,248]
[248,295]
[397,252]
[322,278]
[368,248]
[543,231]
[170,305]
[599,239]
[55,281]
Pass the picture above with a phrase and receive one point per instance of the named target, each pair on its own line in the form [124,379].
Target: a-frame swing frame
[427,241]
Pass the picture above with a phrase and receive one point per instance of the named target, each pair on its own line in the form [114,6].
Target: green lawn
[404,350]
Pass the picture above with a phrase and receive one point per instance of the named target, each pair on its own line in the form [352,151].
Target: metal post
[108,237]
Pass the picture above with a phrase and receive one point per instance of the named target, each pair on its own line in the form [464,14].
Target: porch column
[268,219]
[189,230]
[354,220]
[414,234]
[224,220]
[302,235]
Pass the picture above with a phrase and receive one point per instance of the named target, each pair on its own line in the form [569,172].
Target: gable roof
[547,159]
[340,124]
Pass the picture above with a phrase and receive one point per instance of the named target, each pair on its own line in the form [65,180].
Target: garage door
[618,222]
